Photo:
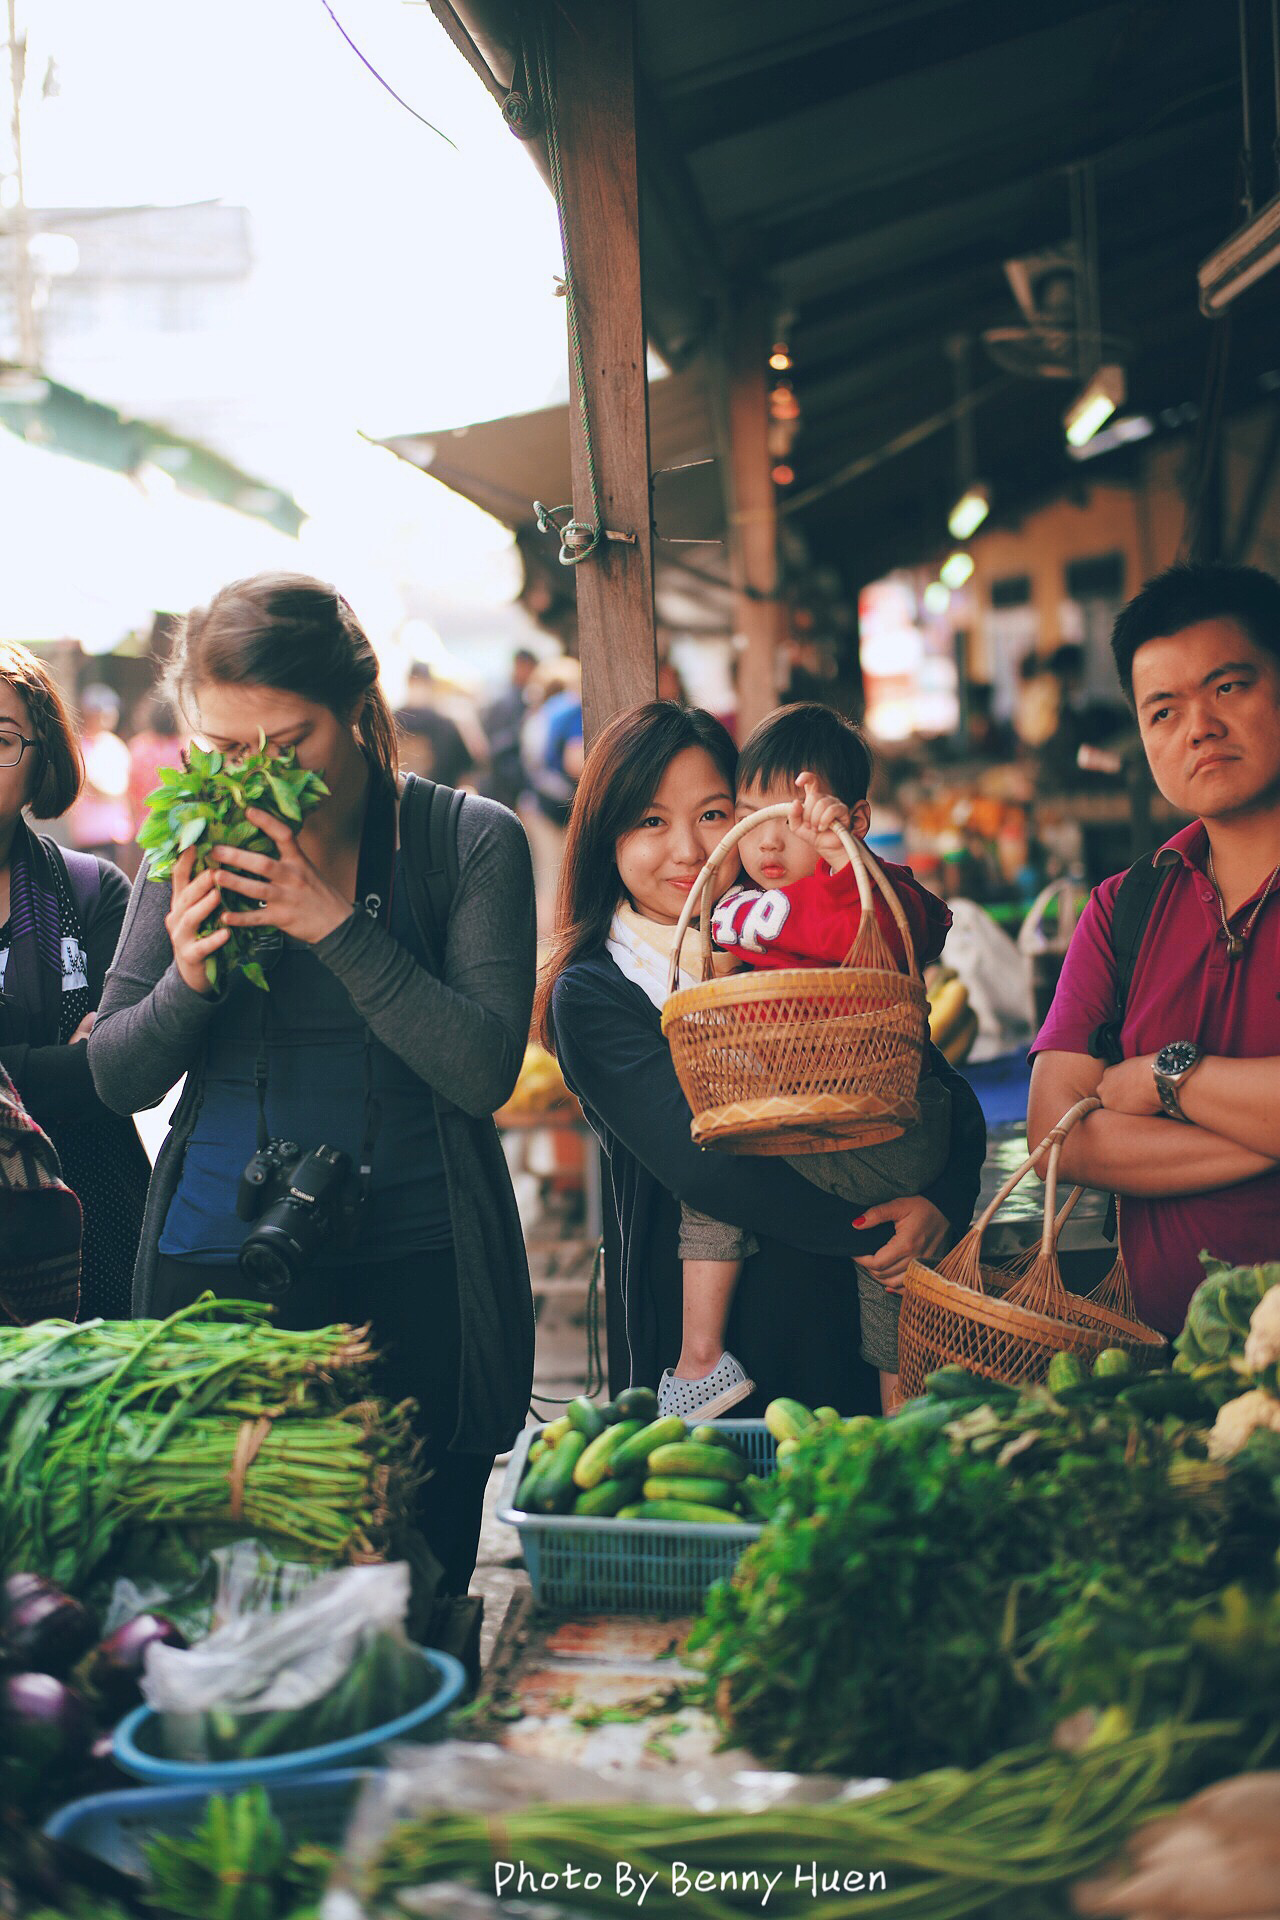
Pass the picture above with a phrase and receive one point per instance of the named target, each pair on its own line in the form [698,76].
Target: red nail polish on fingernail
[861,1217]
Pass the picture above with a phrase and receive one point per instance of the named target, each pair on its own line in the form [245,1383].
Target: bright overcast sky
[399,284]
[419,278]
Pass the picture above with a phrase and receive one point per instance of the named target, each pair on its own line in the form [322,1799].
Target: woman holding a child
[765,1243]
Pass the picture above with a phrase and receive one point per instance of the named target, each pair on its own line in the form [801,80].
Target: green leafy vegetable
[940,1585]
[237,1865]
[1210,1348]
[203,804]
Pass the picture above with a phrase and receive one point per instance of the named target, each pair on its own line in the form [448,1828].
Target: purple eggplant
[116,1667]
[42,1629]
[45,1723]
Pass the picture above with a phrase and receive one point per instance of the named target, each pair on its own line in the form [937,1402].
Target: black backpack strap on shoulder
[429,840]
[1135,901]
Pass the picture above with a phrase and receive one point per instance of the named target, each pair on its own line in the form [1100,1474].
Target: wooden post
[758,615]
[595,106]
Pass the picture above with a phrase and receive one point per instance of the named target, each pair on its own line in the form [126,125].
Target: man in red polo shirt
[1189,1131]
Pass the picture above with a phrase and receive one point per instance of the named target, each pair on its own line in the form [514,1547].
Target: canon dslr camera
[299,1200]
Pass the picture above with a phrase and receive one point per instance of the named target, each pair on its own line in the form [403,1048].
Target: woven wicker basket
[804,1059]
[1007,1324]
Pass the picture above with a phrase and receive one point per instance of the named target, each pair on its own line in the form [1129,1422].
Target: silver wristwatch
[1171,1066]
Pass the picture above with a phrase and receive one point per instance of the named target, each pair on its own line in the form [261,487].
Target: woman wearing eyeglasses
[60,915]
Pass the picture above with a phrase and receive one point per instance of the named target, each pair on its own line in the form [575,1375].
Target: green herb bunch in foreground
[927,1594]
[203,804]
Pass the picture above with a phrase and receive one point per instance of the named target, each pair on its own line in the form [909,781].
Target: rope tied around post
[577,542]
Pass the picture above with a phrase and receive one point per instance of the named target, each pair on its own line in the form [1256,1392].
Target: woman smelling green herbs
[367,1043]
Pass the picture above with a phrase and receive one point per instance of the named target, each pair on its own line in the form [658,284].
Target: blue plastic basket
[116,1827]
[631,1566]
[131,1747]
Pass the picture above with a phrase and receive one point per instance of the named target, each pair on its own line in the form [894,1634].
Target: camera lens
[265,1262]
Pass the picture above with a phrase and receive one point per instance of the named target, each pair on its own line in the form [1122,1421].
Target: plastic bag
[333,1663]
[461,1776]
[995,975]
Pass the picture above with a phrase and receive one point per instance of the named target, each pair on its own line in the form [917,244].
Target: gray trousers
[865,1176]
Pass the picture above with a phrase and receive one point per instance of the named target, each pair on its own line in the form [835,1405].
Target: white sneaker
[707,1398]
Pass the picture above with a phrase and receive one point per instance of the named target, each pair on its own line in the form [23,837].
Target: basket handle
[1052,1144]
[864,864]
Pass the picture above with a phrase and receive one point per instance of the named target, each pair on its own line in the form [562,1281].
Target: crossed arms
[1131,1147]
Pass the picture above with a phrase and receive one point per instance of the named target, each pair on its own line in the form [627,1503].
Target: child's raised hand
[815,816]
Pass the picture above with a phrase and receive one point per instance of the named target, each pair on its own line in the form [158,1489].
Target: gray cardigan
[464,1036]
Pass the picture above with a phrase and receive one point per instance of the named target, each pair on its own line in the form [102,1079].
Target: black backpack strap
[1135,902]
[83,872]
[429,841]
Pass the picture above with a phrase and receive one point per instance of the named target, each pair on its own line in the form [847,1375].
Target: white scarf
[642,949]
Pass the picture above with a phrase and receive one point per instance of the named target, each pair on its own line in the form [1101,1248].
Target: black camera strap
[375,886]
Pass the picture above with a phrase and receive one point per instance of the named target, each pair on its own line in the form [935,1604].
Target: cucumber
[638,1403]
[525,1491]
[631,1458]
[756,1498]
[585,1417]
[787,1419]
[611,1413]
[953,1383]
[607,1498]
[714,1437]
[1065,1370]
[1154,1395]
[685,1459]
[554,1432]
[826,1416]
[634,1512]
[707,1493]
[553,1490]
[687,1510]
[594,1463]
[785,1450]
[1112,1364]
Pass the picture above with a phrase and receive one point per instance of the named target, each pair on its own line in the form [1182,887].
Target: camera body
[299,1199]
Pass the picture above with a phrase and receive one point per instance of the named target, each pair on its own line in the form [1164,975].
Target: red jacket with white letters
[811,923]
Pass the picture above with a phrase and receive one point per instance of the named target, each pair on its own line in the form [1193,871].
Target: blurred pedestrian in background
[502,720]
[100,821]
[551,753]
[60,915]
[157,743]
[432,743]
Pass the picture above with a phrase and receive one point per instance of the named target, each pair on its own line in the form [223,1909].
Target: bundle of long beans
[211,1419]
[994,1842]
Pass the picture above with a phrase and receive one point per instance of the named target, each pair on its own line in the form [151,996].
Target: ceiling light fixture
[937,597]
[969,511]
[780,358]
[1094,405]
[783,475]
[1252,250]
[956,570]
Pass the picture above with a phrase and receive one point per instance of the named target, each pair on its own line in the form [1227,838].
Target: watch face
[1177,1057]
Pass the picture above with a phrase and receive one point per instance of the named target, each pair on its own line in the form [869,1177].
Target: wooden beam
[758,614]
[594,55]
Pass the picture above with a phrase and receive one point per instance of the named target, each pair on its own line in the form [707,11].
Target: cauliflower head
[1239,1419]
[1262,1344]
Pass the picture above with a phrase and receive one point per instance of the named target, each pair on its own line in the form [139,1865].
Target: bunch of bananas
[539,1088]
[953,1024]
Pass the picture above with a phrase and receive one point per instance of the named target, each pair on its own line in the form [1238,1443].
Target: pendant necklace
[1235,941]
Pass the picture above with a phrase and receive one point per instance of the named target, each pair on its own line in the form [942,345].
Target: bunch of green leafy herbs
[1210,1348]
[935,1588]
[203,804]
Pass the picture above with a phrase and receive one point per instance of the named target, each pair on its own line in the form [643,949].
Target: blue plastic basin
[129,1742]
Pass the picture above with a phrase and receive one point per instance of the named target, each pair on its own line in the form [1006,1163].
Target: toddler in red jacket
[800,908]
